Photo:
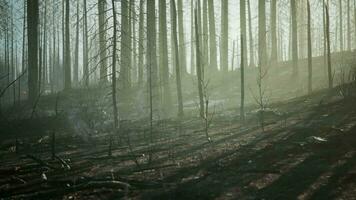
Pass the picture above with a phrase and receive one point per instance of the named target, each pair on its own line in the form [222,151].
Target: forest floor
[307,150]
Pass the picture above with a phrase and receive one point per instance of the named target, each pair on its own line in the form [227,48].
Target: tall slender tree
[262,51]
[294,37]
[164,70]
[182,52]
[224,42]
[274,50]
[141,43]
[252,55]
[32,33]
[341,28]
[243,29]
[125,45]
[310,54]
[76,53]
[177,65]
[85,45]
[113,76]
[327,22]
[152,71]
[102,41]
[199,66]
[67,67]
[212,37]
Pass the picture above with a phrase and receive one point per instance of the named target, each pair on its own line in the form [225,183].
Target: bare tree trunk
[243,30]
[274,53]
[330,78]
[133,71]
[348,26]
[224,44]
[164,68]
[294,37]
[341,32]
[252,57]
[141,44]
[262,52]
[212,35]
[113,76]
[177,67]
[102,41]
[310,54]
[205,34]
[76,54]
[242,106]
[32,35]
[67,74]
[85,46]
[192,39]
[182,52]
[44,56]
[199,67]
[125,40]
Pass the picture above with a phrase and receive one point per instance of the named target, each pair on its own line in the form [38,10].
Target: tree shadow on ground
[233,174]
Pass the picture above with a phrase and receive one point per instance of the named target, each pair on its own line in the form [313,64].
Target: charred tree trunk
[67,67]
[32,35]
[177,67]
[85,46]
[102,41]
[310,54]
[141,43]
[274,53]
[294,37]
[224,44]
[327,21]
[212,37]
[113,76]
[76,54]
[199,67]
[182,52]
[164,70]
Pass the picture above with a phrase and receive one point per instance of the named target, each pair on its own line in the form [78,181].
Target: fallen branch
[63,162]
[40,162]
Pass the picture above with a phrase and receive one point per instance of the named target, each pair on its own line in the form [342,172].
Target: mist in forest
[177,99]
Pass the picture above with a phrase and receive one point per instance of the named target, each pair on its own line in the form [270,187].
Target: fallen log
[40,162]
[63,162]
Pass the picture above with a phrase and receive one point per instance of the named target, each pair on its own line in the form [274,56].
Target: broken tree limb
[40,162]
[63,162]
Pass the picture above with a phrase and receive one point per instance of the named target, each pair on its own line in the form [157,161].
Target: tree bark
[243,30]
[113,76]
[274,53]
[224,42]
[242,106]
[141,43]
[294,37]
[67,67]
[85,46]
[212,37]
[182,52]
[125,40]
[199,67]
[262,52]
[32,35]
[252,55]
[151,54]
[102,41]
[164,70]
[310,54]
[177,67]
[76,54]
[327,21]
